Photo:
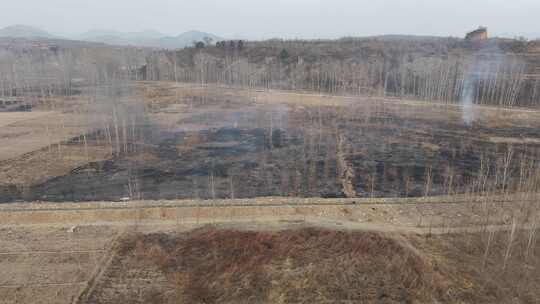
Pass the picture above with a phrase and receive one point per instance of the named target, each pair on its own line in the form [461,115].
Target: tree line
[503,73]
[500,72]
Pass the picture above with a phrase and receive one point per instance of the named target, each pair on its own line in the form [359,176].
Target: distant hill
[148,34]
[147,38]
[418,38]
[143,38]
[187,39]
[24,31]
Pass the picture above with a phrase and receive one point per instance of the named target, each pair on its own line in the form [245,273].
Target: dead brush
[495,266]
[229,266]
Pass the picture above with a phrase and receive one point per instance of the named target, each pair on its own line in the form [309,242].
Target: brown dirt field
[39,166]
[8,118]
[429,215]
[22,133]
[170,92]
[49,264]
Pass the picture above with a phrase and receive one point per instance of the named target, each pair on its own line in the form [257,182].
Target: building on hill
[477,35]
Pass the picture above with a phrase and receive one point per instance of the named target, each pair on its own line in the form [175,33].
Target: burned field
[211,144]
[420,154]
[172,142]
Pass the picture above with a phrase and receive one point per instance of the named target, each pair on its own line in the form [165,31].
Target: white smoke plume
[467,100]
[485,65]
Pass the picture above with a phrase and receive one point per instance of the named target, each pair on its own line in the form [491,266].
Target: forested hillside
[450,70]
[52,67]
[497,72]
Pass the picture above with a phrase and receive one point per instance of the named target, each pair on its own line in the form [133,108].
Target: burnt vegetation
[373,117]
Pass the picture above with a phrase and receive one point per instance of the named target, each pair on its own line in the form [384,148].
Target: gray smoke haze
[487,67]
[483,65]
[256,19]
[467,100]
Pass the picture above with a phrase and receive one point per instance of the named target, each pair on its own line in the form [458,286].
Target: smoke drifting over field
[487,69]
[467,102]
[478,70]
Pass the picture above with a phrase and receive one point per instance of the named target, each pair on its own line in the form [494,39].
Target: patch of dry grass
[327,266]
[475,264]
[292,266]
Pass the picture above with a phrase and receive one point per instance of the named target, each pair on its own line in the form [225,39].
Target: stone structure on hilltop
[477,35]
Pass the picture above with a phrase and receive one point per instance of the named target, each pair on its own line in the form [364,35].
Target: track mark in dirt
[345,170]
[42,284]
[101,268]
[53,252]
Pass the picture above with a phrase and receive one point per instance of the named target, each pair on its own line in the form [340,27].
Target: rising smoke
[483,65]
[467,99]
[487,79]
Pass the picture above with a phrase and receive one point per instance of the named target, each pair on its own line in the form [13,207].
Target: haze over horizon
[265,19]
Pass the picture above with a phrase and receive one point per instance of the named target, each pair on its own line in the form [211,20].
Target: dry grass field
[271,250]
[25,132]
[148,167]
[37,147]
[225,195]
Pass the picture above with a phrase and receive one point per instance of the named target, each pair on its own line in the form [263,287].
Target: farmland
[193,142]
[263,167]
[271,172]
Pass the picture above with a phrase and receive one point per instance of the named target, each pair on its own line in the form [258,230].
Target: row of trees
[437,69]
[53,72]
[425,70]
[100,75]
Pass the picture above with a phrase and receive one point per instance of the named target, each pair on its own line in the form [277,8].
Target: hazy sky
[279,18]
